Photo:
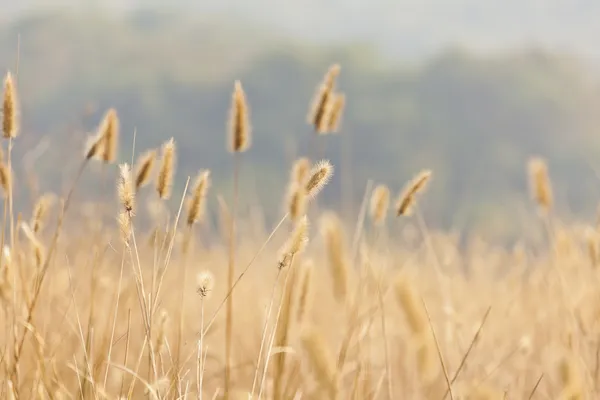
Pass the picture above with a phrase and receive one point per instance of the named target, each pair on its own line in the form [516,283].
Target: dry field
[313,308]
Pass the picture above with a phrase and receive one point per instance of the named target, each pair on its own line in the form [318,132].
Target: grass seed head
[109,131]
[125,189]
[5,179]
[40,210]
[239,121]
[333,233]
[296,201]
[320,175]
[539,183]
[336,112]
[205,282]
[124,222]
[164,182]
[197,202]
[10,108]
[143,170]
[407,198]
[319,113]
[296,243]
[301,171]
[380,201]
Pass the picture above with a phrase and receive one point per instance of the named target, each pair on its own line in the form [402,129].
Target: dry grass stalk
[10,110]
[282,332]
[40,210]
[144,167]
[321,107]
[197,202]
[164,181]
[239,121]
[109,131]
[320,175]
[321,361]
[333,233]
[539,183]
[125,189]
[338,102]
[380,201]
[407,198]
[300,171]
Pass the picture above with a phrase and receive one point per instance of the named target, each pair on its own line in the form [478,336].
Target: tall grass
[94,312]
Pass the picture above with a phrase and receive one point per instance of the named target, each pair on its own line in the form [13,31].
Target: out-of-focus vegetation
[473,120]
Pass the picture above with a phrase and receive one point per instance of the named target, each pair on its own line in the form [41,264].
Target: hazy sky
[400,27]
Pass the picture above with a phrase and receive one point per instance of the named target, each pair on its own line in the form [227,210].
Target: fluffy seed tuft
[205,282]
[125,189]
[319,177]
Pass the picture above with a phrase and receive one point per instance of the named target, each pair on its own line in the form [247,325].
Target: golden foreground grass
[311,309]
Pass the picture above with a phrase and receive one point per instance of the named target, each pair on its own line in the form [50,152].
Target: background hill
[473,118]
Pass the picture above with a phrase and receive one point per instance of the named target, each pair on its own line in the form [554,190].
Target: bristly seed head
[109,131]
[5,179]
[10,110]
[411,190]
[319,176]
[40,209]
[336,112]
[239,121]
[93,147]
[380,201]
[205,282]
[144,167]
[296,201]
[296,243]
[320,111]
[125,189]
[539,183]
[300,171]
[167,167]
[197,201]
[124,221]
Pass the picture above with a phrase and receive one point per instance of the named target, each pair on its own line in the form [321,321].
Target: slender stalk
[270,348]
[230,281]
[39,282]
[181,316]
[241,275]
[264,333]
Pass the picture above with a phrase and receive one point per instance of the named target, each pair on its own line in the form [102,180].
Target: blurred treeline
[474,120]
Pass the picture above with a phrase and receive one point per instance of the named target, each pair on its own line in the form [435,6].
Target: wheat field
[315,307]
